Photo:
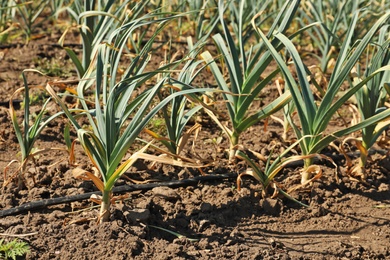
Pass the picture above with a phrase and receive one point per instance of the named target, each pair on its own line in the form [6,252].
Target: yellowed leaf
[79,173]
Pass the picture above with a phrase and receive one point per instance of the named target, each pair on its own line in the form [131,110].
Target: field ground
[346,219]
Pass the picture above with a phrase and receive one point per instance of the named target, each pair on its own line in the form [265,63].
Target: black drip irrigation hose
[16,103]
[143,187]
[118,190]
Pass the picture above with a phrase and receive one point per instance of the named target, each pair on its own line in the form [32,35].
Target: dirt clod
[137,215]
[271,206]
[165,193]
[346,220]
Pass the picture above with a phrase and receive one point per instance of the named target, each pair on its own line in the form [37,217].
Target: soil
[347,218]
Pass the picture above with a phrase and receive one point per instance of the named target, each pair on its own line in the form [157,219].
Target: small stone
[166,193]
[137,215]
[204,223]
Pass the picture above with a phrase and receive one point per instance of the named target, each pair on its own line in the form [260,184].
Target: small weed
[157,125]
[52,67]
[12,249]
[35,98]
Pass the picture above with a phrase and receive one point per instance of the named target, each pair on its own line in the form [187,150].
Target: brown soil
[342,221]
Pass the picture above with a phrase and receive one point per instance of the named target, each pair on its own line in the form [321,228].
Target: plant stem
[105,206]
[21,184]
[305,174]
[233,147]
[363,154]
[308,162]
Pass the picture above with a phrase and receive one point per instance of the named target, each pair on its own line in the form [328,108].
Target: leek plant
[376,7]
[371,96]
[287,110]
[241,13]
[96,20]
[314,116]
[181,110]
[202,17]
[57,7]
[7,15]
[266,175]
[245,70]
[120,109]
[332,16]
[28,133]
[29,12]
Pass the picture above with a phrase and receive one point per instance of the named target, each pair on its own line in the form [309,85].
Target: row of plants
[350,40]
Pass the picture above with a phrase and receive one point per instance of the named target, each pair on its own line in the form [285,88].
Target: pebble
[137,215]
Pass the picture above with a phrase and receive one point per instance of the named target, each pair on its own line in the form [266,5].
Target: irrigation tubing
[30,206]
